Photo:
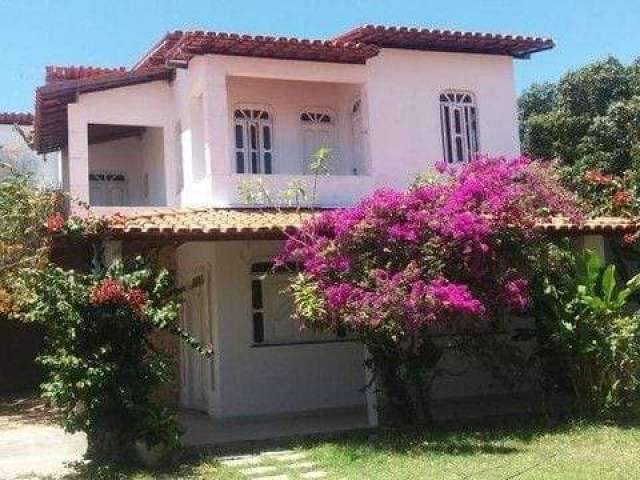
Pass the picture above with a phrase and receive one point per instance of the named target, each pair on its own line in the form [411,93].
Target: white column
[78,157]
[596,243]
[112,251]
[216,121]
[371,393]
[170,163]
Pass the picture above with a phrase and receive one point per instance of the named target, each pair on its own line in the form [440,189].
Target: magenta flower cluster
[450,255]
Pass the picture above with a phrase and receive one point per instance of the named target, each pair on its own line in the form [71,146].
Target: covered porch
[261,384]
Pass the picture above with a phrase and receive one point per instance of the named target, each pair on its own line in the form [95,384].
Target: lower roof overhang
[222,224]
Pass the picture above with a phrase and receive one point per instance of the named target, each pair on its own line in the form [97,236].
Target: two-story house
[168,142]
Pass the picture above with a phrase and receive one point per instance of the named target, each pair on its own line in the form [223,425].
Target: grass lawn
[525,452]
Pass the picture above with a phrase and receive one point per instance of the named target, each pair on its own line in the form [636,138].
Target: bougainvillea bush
[101,362]
[455,254]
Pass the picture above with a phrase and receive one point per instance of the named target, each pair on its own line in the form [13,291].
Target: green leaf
[609,282]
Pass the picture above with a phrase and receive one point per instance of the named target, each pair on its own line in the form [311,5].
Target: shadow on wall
[20,344]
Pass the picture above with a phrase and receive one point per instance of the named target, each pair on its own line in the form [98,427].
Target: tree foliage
[101,365]
[24,210]
[589,120]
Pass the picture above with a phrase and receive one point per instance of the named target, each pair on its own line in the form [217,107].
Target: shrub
[23,210]
[101,362]
[456,254]
[591,330]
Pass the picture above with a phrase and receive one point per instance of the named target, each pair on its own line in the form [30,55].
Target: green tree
[24,210]
[589,119]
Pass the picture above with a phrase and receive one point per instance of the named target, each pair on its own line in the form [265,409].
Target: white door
[196,370]
[108,189]
[318,131]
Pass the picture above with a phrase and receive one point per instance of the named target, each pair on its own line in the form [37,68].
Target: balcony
[126,166]
[274,128]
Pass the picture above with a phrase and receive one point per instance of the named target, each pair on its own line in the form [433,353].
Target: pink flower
[517,294]
[630,239]
[622,198]
[454,297]
[108,292]
[401,262]
[337,296]
[136,298]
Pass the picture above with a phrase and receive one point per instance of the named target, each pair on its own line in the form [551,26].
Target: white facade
[383,124]
[384,128]
[245,379]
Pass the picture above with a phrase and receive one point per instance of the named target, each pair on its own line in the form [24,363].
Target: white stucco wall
[403,89]
[267,379]
[125,156]
[153,157]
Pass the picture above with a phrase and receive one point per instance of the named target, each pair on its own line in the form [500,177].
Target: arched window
[318,131]
[254,140]
[459,124]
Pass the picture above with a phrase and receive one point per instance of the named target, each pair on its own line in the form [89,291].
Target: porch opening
[126,166]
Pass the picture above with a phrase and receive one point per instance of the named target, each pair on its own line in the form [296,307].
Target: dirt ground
[32,445]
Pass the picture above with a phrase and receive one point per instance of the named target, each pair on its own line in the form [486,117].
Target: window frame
[467,118]
[245,149]
[257,308]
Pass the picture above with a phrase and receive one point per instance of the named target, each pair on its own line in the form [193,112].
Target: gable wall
[403,89]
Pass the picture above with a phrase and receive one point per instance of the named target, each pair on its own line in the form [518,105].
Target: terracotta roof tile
[518,46]
[16,118]
[55,73]
[177,48]
[190,44]
[600,225]
[255,222]
[210,222]
[50,132]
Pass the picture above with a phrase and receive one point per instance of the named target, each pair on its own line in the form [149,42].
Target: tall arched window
[318,131]
[254,140]
[459,123]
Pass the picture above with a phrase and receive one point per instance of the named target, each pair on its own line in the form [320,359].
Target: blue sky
[35,33]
